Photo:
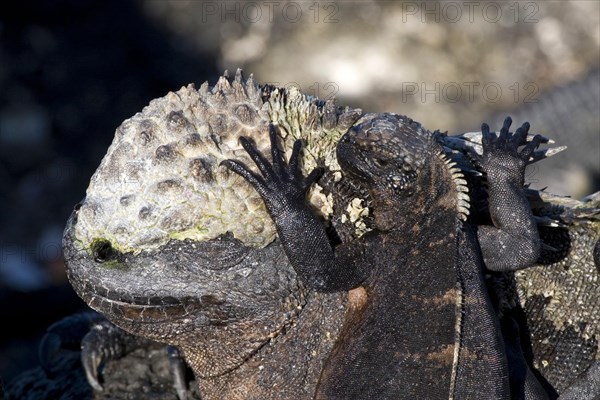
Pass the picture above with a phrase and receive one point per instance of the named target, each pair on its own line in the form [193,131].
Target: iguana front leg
[513,242]
[283,188]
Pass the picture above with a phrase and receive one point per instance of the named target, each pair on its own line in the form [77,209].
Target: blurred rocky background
[71,71]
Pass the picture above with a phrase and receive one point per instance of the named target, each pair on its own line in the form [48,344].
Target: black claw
[91,364]
[504,132]
[65,334]
[178,369]
[295,158]
[240,169]
[259,184]
[506,124]
[272,133]
[520,135]
[486,136]
[246,143]
[260,161]
[530,147]
[92,357]
[278,161]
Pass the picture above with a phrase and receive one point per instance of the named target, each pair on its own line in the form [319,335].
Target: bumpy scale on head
[161,179]
[387,151]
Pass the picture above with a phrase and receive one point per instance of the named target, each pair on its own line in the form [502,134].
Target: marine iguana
[170,246]
[427,312]
[160,160]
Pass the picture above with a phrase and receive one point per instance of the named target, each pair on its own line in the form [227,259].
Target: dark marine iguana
[216,116]
[427,312]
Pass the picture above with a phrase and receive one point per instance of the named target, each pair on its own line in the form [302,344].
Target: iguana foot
[281,184]
[99,342]
[300,230]
[512,242]
[105,342]
[66,334]
[500,152]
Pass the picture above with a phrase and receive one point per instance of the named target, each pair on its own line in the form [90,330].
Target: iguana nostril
[102,251]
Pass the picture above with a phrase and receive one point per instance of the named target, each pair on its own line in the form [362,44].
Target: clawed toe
[178,370]
[279,183]
[65,334]
[503,150]
[508,142]
[530,147]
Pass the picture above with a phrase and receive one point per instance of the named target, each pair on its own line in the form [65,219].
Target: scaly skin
[419,262]
[558,299]
[185,280]
[230,302]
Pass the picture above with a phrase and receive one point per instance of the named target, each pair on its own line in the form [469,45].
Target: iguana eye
[380,163]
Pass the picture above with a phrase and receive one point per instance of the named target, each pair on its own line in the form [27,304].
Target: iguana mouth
[145,309]
[139,313]
[143,301]
[182,291]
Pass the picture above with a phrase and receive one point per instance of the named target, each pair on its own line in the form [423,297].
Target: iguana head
[385,151]
[403,167]
[218,300]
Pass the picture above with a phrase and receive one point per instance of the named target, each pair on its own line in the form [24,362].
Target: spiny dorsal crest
[460,184]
